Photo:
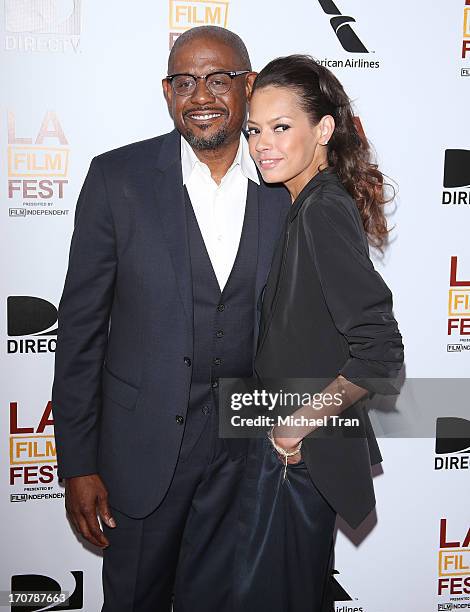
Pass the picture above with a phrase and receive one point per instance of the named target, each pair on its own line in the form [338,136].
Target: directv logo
[452,444]
[43,16]
[69,584]
[42,25]
[456,177]
[32,325]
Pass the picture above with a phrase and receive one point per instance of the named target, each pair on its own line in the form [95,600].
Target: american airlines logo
[341,26]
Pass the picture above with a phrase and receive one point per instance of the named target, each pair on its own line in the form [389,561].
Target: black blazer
[126,321]
[326,311]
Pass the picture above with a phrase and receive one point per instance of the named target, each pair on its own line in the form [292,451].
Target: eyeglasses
[216,82]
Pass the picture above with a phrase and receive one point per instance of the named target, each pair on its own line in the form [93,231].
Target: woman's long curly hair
[320,93]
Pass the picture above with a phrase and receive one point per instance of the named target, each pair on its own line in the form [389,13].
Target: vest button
[217,361]
[187,361]
[219,333]
[179,419]
[206,409]
[221,307]
[215,384]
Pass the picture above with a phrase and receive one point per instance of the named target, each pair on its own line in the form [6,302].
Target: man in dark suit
[172,245]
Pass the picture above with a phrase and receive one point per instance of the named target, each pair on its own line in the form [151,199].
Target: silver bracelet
[282,451]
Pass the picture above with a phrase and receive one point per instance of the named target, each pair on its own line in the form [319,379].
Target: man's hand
[85,498]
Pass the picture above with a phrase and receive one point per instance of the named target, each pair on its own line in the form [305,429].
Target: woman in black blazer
[326,319]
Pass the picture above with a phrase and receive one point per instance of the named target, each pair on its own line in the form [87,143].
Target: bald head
[208,34]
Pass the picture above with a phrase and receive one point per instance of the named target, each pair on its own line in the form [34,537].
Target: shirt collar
[243,159]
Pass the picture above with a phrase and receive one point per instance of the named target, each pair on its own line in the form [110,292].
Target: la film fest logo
[456,177]
[452,444]
[465,71]
[32,449]
[42,25]
[453,560]
[38,168]
[187,14]
[458,314]
[67,588]
[348,39]
[31,325]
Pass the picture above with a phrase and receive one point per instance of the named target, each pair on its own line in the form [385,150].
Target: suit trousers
[189,538]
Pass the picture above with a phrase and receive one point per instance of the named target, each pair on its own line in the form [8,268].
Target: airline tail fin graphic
[340,23]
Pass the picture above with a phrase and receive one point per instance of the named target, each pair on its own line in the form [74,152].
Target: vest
[223,321]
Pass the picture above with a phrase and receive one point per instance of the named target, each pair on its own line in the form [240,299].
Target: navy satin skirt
[285,549]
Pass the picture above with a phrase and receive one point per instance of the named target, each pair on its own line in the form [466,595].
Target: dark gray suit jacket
[126,321]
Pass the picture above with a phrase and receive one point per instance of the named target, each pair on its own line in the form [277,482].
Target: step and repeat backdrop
[81,77]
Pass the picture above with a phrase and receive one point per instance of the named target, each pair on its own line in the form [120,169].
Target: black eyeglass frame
[231,73]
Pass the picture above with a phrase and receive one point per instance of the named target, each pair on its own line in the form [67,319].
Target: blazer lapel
[273,204]
[169,196]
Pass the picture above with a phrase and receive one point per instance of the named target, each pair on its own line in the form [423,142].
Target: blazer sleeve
[84,312]
[359,301]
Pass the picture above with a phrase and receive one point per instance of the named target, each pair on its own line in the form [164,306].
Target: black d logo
[456,168]
[30,315]
[452,435]
[36,582]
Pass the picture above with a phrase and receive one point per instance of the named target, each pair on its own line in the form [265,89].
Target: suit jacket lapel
[169,195]
[272,202]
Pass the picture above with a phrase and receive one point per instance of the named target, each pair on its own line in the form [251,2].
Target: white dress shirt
[219,209]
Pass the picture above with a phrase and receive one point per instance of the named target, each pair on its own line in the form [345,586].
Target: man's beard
[206,144]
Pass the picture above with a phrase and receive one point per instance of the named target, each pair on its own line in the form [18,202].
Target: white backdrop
[81,77]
